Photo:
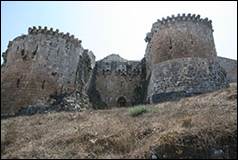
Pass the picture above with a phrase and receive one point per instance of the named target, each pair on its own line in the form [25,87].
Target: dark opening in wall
[210,68]
[53,73]
[43,85]
[34,52]
[22,52]
[191,39]
[24,56]
[170,44]
[18,83]
[121,102]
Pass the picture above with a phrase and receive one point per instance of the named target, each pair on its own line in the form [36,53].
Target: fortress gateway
[45,69]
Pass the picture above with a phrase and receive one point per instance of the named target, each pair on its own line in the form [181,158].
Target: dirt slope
[203,126]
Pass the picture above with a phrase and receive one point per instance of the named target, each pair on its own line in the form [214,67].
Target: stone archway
[121,101]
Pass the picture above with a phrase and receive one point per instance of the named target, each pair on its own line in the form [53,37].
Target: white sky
[116,27]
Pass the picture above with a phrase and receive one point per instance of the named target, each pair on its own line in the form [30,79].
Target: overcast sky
[116,27]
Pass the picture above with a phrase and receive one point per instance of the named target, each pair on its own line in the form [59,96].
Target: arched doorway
[121,101]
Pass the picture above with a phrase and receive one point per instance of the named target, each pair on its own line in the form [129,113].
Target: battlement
[164,22]
[180,36]
[189,17]
[50,67]
[34,30]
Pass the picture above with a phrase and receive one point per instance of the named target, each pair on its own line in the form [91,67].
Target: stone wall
[118,81]
[181,58]
[179,37]
[41,65]
[230,66]
[45,68]
[181,77]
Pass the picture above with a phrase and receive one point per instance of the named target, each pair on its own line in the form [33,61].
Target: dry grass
[190,128]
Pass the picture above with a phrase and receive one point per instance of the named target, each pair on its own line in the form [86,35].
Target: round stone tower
[180,57]
[180,37]
[43,67]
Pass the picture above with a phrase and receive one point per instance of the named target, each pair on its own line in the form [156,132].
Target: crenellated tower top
[165,22]
[40,30]
[179,37]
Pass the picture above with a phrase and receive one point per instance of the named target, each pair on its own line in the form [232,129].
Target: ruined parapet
[160,24]
[50,32]
[44,67]
[179,37]
[115,64]
[173,79]
[117,80]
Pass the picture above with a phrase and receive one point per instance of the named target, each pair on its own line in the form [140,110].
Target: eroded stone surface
[118,82]
[185,77]
[179,37]
[181,59]
[46,70]
[42,65]
[230,67]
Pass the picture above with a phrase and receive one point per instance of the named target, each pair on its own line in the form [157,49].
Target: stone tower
[46,70]
[44,66]
[180,37]
[117,82]
[181,58]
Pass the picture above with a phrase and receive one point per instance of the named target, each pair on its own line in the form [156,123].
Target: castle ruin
[181,58]
[42,68]
[49,68]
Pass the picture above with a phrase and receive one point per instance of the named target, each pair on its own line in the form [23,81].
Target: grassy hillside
[203,126]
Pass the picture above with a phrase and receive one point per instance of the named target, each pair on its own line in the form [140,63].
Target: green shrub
[135,111]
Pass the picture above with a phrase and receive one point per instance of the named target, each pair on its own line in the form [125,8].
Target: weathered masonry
[181,58]
[50,70]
